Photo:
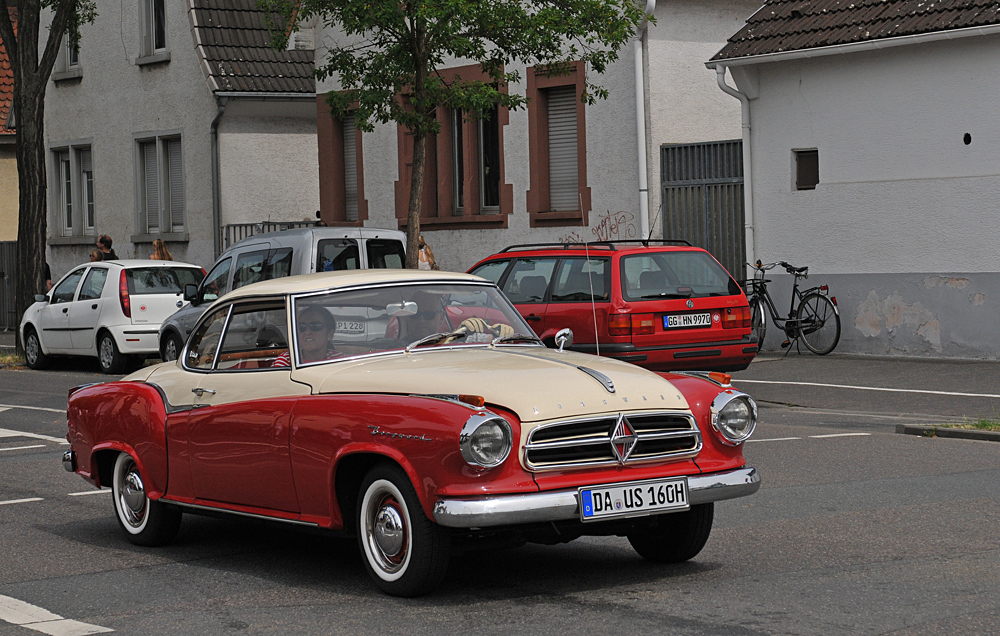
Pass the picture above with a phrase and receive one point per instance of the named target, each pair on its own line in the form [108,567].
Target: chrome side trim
[605,381]
[504,510]
[251,515]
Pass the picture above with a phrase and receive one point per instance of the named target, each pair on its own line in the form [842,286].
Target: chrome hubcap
[389,531]
[132,497]
[31,349]
[107,352]
[386,532]
[170,350]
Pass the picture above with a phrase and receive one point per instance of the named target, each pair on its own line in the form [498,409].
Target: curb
[947,431]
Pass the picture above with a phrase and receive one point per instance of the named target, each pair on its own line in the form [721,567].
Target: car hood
[534,382]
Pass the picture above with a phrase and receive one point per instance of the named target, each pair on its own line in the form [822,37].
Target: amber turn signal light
[473,400]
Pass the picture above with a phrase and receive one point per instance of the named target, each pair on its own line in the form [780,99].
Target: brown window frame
[332,177]
[439,211]
[539,210]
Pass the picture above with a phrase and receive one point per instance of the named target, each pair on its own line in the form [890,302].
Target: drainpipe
[720,73]
[640,120]
[216,181]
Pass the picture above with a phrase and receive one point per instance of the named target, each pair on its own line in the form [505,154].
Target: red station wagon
[663,305]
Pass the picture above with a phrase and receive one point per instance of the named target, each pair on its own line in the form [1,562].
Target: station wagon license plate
[687,320]
[351,326]
[633,499]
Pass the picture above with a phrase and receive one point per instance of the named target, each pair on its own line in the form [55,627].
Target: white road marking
[6,432]
[871,388]
[23,447]
[841,435]
[775,439]
[90,492]
[42,620]
[17,501]
[32,408]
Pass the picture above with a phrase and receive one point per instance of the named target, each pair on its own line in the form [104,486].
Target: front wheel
[33,353]
[758,321]
[404,552]
[144,522]
[818,323]
[674,537]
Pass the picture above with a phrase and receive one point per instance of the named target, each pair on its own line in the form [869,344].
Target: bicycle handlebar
[791,269]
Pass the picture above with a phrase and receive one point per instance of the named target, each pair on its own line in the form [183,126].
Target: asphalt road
[856,530]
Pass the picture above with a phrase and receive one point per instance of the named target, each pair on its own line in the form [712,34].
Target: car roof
[133,263]
[596,249]
[308,233]
[335,280]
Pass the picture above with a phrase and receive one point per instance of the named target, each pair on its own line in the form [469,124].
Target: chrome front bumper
[505,510]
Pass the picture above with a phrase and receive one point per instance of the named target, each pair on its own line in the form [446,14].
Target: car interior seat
[532,288]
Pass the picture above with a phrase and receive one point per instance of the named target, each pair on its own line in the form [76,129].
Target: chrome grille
[587,442]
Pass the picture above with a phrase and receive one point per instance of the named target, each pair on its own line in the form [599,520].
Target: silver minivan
[278,254]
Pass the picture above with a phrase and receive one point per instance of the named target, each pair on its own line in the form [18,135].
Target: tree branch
[7,34]
[56,32]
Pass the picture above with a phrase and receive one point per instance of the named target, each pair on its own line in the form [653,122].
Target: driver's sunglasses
[312,326]
[426,315]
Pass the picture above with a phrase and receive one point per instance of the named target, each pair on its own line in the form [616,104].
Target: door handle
[200,391]
[533,317]
[94,306]
[65,309]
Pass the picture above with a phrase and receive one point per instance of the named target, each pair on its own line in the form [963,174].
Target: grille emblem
[623,439]
[690,304]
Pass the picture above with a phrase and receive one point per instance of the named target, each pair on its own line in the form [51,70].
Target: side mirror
[564,338]
[191,293]
[41,298]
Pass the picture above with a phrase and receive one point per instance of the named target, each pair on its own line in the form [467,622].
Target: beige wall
[8,193]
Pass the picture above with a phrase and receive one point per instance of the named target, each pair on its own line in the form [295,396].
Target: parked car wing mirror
[41,298]
[564,338]
[191,292]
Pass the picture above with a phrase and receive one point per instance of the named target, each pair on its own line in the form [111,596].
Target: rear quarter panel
[123,416]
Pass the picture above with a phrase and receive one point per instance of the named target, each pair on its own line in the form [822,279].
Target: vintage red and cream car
[412,410]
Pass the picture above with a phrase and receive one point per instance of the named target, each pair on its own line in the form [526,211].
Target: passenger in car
[315,327]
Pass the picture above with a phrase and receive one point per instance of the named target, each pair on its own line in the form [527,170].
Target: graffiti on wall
[609,226]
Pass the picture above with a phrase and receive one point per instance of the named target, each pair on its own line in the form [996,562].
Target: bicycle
[813,316]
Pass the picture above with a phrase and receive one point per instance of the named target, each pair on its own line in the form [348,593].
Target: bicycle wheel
[819,323]
[758,321]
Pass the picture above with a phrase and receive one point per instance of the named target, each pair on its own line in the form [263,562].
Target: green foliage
[83,12]
[381,49]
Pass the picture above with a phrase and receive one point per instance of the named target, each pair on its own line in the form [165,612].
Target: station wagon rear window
[161,280]
[680,274]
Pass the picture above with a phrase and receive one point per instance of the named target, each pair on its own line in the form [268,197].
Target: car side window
[385,254]
[577,277]
[64,291]
[249,268]
[93,285]
[257,335]
[205,341]
[528,280]
[335,255]
[279,264]
[492,271]
[217,282]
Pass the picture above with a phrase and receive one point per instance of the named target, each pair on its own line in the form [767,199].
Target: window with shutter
[564,183]
[151,187]
[160,190]
[341,168]
[175,181]
[66,193]
[350,168]
[71,199]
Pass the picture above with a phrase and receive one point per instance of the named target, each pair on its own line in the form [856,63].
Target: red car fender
[715,456]
[120,416]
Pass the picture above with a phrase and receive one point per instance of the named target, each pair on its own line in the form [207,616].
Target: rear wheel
[819,323]
[674,537]
[758,321]
[171,347]
[33,353]
[112,360]
[144,522]
[405,553]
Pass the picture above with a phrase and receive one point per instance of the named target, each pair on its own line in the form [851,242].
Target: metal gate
[8,285]
[702,198]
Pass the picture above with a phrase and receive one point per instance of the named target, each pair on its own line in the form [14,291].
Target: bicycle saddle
[791,269]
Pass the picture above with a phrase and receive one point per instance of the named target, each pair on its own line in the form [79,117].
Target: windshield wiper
[664,295]
[435,338]
[514,336]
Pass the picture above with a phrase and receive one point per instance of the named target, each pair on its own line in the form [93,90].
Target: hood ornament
[600,377]
[623,439]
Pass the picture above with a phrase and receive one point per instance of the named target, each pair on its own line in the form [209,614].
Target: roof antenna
[653,224]
[590,277]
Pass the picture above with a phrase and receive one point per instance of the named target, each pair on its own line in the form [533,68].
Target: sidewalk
[7,339]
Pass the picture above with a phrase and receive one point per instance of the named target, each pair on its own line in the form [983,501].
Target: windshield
[676,274]
[343,324]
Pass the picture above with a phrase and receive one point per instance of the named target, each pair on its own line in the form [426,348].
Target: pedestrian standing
[425,257]
[104,244]
[160,251]
[96,255]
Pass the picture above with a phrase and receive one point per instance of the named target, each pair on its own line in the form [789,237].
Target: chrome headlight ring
[734,417]
[486,440]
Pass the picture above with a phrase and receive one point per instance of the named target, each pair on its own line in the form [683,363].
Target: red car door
[580,298]
[526,286]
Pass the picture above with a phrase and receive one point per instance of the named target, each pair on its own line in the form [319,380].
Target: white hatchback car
[109,309]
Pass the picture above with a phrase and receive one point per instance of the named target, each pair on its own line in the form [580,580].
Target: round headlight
[734,417]
[485,440]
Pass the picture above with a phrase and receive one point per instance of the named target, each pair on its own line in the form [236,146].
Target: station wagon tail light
[642,324]
[123,295]
[485,440]
[735,317]
[619,325]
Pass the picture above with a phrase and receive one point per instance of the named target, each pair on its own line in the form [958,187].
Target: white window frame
[71,189]
[67,65]
[149,52]
[165,213]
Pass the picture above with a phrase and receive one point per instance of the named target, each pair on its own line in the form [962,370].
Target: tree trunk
[416,199]
[31,225]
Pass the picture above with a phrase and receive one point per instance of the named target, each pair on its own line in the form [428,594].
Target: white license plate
[351,326]
[633,499]
[687,320]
